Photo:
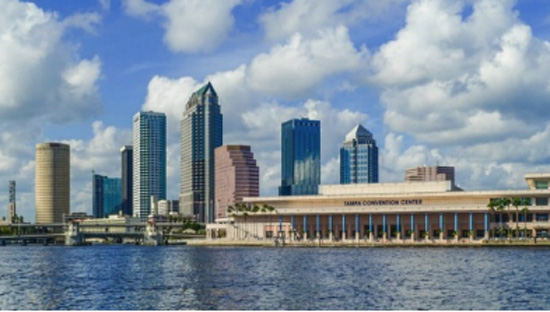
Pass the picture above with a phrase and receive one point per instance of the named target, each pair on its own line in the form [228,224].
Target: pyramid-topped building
[359,157]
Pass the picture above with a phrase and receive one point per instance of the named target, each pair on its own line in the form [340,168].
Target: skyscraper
[53,182]
[237,176]
[149,168]
[201,133]
[300,157]
[127,153]
[106,196]
[359,157]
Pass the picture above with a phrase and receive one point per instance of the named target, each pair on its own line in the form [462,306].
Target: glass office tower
[106,196]
[300,157]
[149,168]
[127,155]
[201,133]
[359,157]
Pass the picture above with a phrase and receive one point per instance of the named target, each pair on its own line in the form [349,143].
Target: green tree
[525,211]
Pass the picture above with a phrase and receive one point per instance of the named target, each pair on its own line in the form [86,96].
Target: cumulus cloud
[299,65]
[307,16]
[451,79]
[191,25]
[34,56]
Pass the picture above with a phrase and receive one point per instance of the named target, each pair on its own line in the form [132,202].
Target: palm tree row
[241,209]
[502,205]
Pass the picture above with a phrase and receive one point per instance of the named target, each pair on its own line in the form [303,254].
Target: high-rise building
[430,173]
[106,196]
[11,205]
[237,176]
[53,182]
[127,153]
[167,207]
[300,157]
[149,167]
[201,133]
[359,157]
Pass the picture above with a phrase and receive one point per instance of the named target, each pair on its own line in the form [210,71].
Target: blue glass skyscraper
[149,168]
[201,133]
[359,157]
[106,196]
[300,157]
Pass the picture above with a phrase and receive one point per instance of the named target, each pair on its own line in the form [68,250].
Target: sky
[460,83]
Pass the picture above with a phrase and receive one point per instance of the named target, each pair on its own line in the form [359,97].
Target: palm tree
[525,211]
[492,207]
[516,202]
[507,202]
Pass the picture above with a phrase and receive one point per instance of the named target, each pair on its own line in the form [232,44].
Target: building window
[541,201]
[269,234]
[542,217]
[540,185]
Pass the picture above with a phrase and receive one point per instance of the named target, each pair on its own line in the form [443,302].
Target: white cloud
[34,56]
[307,16]
[301,64]
[191,25]
[86,21]
[451,79]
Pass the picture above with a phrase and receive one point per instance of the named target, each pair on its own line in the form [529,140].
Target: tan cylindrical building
[53,182]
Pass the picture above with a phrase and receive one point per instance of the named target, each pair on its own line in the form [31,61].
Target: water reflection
[132,277]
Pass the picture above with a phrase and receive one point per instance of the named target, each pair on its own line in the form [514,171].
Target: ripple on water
[133,277]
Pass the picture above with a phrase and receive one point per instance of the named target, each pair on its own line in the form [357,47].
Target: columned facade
[417,212]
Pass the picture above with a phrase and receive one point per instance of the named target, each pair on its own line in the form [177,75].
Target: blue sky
[460,83]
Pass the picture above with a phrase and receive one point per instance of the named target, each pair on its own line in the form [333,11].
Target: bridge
[75,233]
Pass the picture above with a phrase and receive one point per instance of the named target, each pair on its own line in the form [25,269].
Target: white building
[149,163]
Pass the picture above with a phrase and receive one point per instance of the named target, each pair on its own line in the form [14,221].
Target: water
[179,277]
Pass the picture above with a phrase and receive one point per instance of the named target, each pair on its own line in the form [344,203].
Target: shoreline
[365,244]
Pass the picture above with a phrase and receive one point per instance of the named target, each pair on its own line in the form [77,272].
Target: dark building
[127,153]
[300,157]
[201,133]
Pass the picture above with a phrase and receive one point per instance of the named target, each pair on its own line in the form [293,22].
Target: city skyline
[442,100]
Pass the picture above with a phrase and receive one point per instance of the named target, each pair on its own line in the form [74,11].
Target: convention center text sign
[390,202]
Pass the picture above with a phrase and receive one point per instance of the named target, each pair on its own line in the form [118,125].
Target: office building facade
[237,176]
[52,182]
[106,196]
[300,157]
[201,133]
[168,207]
[359,157]
[432,173]
[149,161]
[127,155]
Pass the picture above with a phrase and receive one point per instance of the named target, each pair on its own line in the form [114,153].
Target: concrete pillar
[280,226]
[412,227]
[441,226]
[398,226]
[471,226]
[486,225]
[330,228]
[344,229]
[305,227]
[292,228]
[318,226]
[456,227]
[384,230]
[357,227]
[370,225]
